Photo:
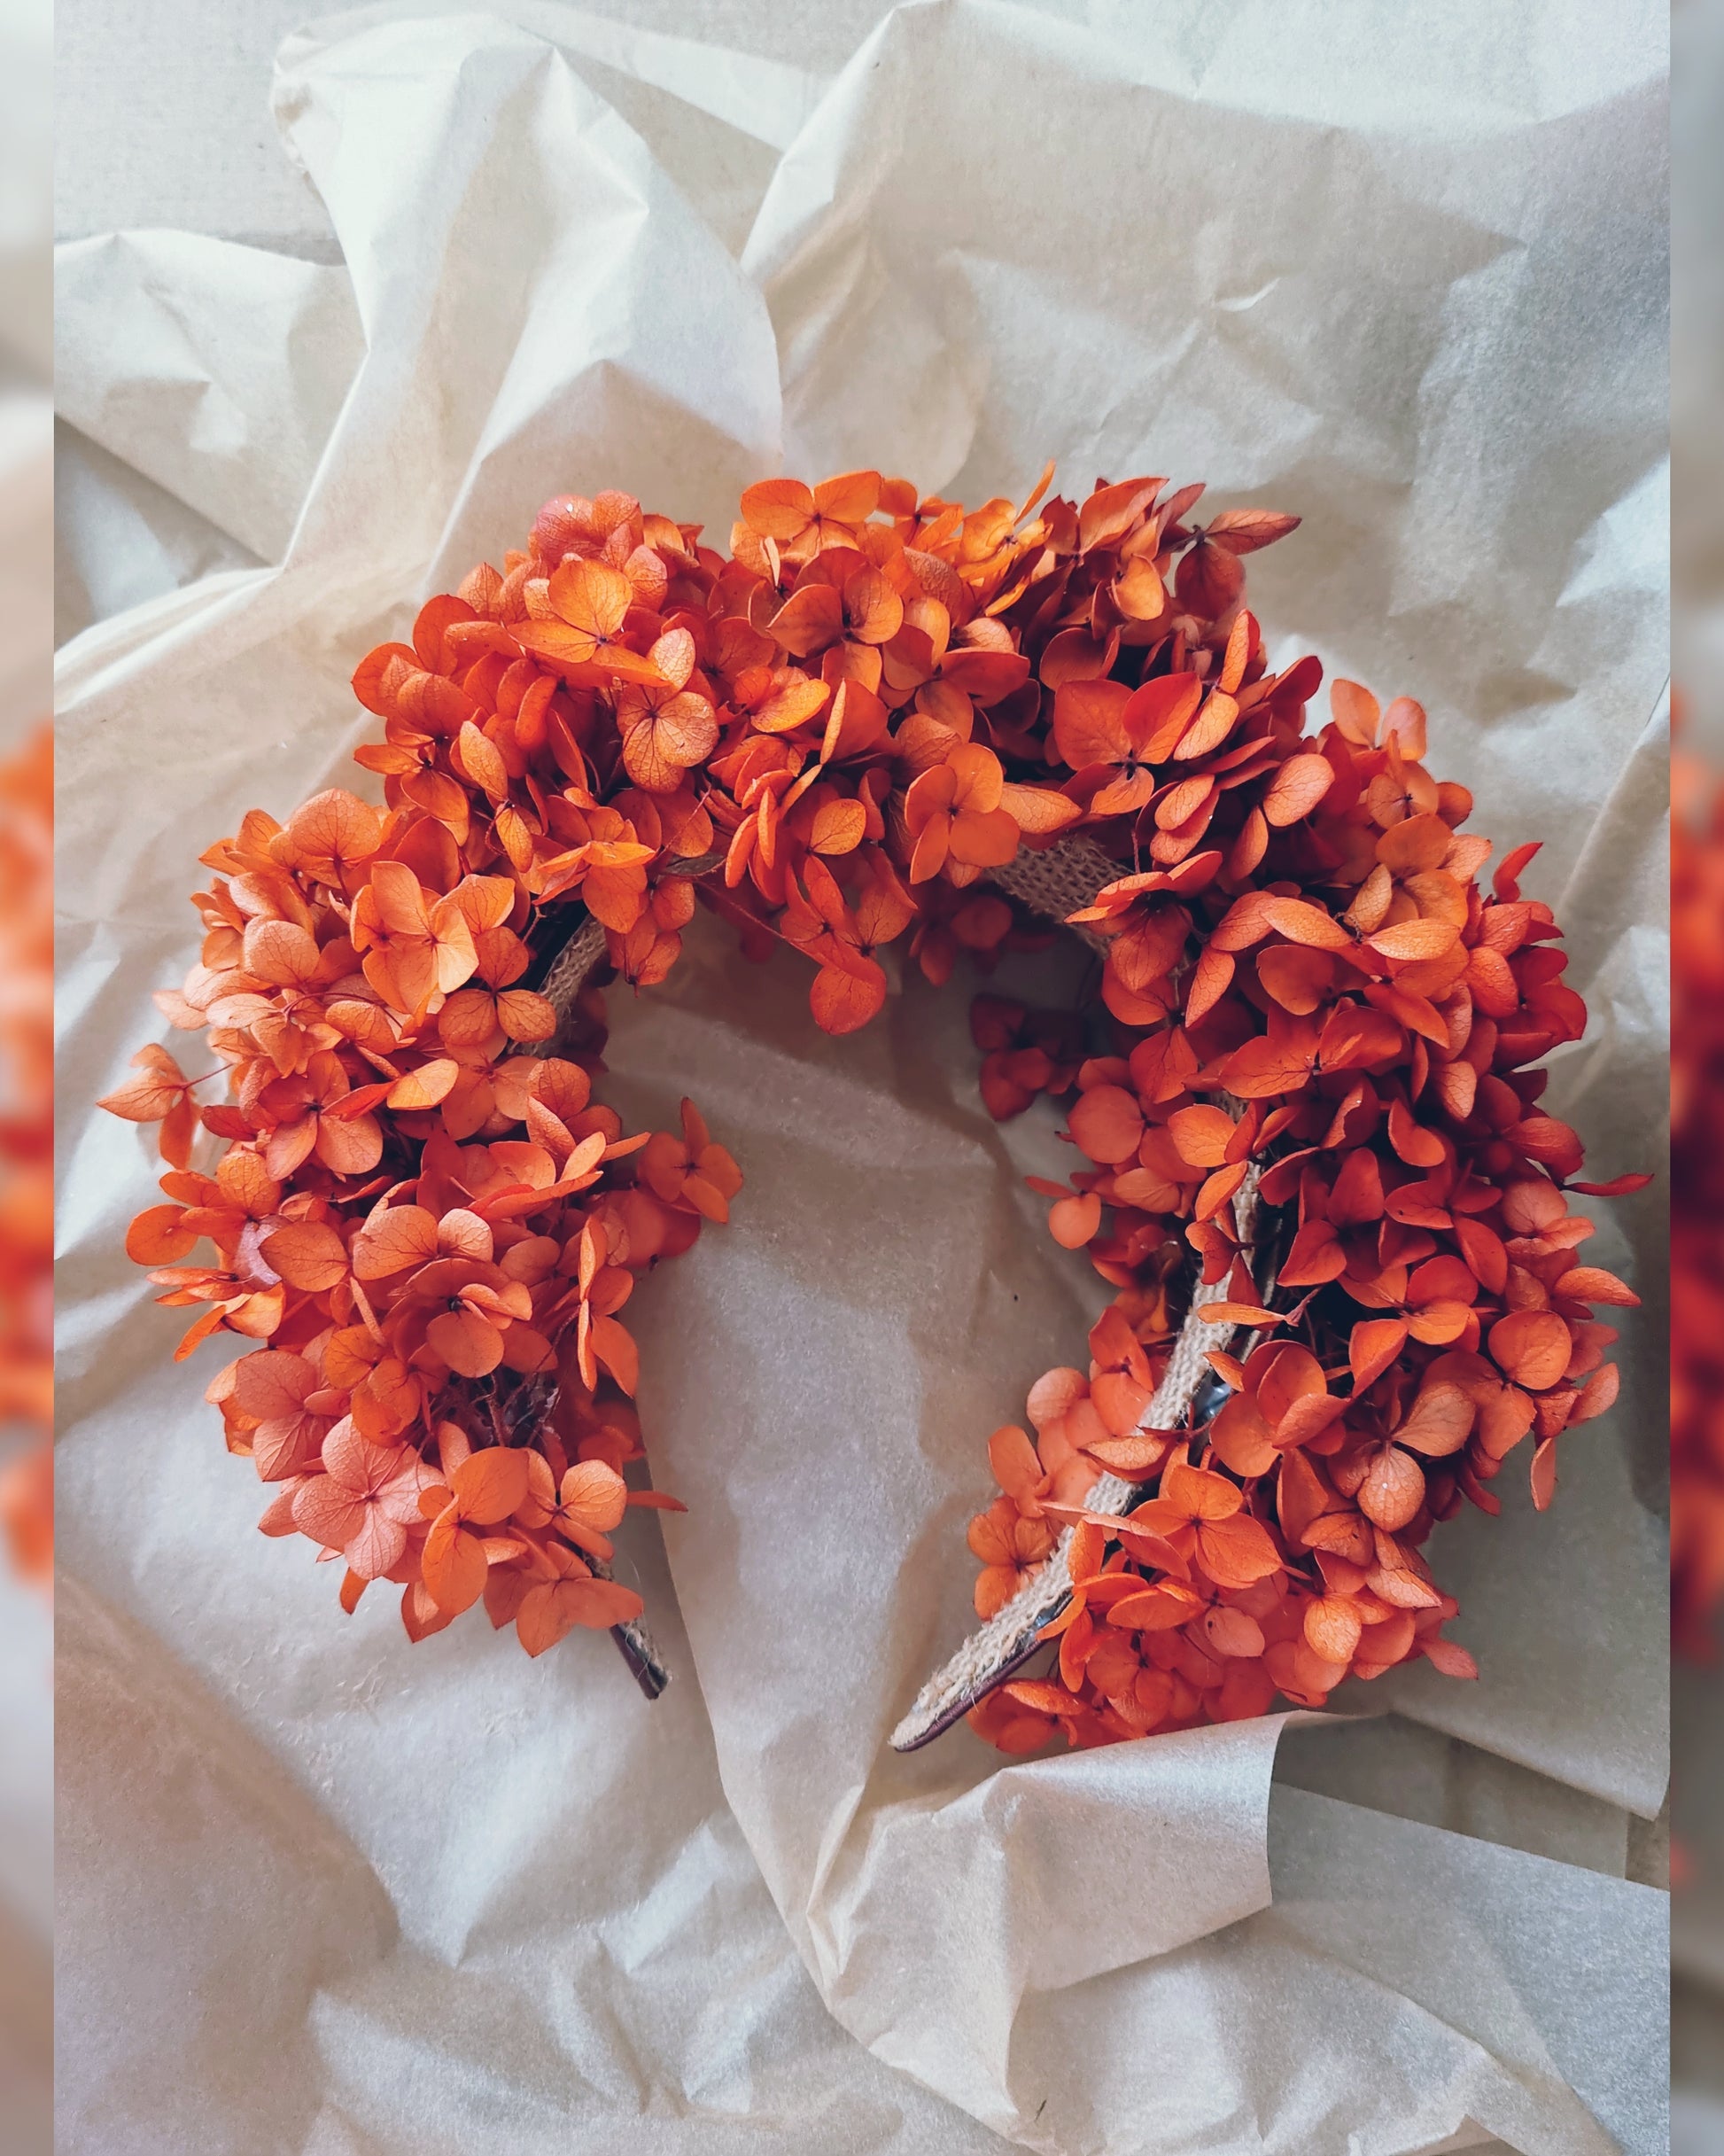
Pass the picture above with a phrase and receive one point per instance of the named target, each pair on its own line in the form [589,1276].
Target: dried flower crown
[1301,1076]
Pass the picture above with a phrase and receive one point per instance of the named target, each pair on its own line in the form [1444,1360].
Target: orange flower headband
[1346,1281]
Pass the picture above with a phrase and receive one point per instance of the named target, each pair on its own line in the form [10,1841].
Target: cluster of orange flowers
[1697,1313]
[27,1152]
[1337,1001]
[433,1228]
[831,735]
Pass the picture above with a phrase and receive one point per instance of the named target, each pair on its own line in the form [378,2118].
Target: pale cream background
[323,1892]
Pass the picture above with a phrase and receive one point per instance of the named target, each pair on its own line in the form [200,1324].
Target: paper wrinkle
[611,318]
[25,521]
[1439,344]
[122,542]
[1010,1858]
[1510,1931]
[244,344]
[761,98]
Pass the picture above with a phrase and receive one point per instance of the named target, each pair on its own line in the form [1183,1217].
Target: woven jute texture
[569,968]
[1061,882]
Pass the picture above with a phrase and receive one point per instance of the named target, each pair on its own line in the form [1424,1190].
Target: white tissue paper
[324,1892]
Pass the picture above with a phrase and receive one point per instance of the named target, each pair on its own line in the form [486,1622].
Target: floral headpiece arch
[1300,1070]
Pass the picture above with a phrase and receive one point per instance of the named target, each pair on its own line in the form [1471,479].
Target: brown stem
[516,1418]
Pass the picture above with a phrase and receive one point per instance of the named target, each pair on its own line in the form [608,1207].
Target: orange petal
[491,1484]
[390,1241]
[1231,1632]
[1235,1553]
[468,1343]
[1016,1466]
[1594,1284]
[157,1237]
[1107,1123]
[616,1350]
[1332,1625]
[452,1565]
[1393,1489]
[1532,1347]
[595,1495]
[1302,922]
[308,1255]
[1074,1221]
[1372,1348]
[1409,940]
[350,1146]
[1201,1494]
[844,997]
[1297,788]
[426,1086]
[777,509]
[1440,1421]
[1201,1135]
[839,827]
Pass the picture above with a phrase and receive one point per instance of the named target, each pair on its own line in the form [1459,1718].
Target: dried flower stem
[1002,1646]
